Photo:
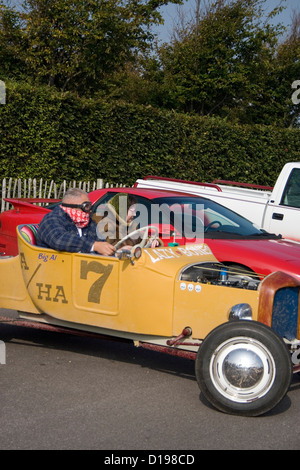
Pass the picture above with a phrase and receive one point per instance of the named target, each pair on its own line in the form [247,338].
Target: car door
[95,282]
[283,215]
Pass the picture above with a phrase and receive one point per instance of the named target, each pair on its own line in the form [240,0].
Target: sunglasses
[86,206]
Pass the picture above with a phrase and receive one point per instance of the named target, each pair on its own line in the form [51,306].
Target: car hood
[262,256]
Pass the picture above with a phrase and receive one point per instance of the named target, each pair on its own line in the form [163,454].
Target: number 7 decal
[96,288]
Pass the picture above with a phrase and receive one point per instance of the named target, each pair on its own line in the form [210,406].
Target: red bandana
[80,218]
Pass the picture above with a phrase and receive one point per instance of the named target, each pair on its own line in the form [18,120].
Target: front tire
[243,368]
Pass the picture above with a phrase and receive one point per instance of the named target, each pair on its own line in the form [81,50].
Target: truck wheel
[243,368]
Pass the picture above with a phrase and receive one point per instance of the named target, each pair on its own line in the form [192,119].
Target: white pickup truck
[276,210]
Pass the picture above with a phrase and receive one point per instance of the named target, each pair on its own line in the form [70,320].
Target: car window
[102,201]
[143,206]
[217,220]
[215,216]
[189,217]
[98,209]
[291,195]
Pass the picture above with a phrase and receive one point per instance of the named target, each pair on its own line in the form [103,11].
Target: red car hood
[262,256]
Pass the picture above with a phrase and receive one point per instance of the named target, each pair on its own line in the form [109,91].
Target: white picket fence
[43,189]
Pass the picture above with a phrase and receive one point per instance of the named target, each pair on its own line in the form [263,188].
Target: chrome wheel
[242,369]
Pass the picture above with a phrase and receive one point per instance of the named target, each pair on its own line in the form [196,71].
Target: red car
[182,219]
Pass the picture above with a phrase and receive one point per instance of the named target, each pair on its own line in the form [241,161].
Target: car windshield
[191,217]
[193,214]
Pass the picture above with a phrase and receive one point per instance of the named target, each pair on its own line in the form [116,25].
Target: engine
[219,275]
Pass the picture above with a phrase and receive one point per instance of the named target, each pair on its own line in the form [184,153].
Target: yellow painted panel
[145,298]
[203,306]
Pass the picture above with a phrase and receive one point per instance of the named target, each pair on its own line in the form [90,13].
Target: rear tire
[243,368]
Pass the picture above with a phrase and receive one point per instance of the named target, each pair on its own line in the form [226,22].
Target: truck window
[291,195]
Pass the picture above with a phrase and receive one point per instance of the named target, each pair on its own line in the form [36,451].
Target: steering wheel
[139,231]
[211,224]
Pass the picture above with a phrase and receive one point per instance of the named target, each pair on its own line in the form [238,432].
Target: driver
[68,227]
[118,221]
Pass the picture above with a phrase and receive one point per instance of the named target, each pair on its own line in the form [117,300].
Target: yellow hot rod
[242,332]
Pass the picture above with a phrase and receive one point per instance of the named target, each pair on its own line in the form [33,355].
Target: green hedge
[44,134]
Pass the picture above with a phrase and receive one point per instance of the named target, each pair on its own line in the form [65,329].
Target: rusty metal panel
[285,312]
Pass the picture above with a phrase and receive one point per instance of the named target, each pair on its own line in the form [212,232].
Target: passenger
[68,227]
[118,221]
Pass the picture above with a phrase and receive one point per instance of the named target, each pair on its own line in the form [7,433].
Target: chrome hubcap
[242,369]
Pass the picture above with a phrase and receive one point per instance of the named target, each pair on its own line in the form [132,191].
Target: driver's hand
[104,248]
[154,243]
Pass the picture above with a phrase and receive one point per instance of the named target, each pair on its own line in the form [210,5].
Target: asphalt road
[61,391]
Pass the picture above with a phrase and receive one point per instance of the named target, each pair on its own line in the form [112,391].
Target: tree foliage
[11,44]
[230,61]
[287,72]
[220,64]
[76,45]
